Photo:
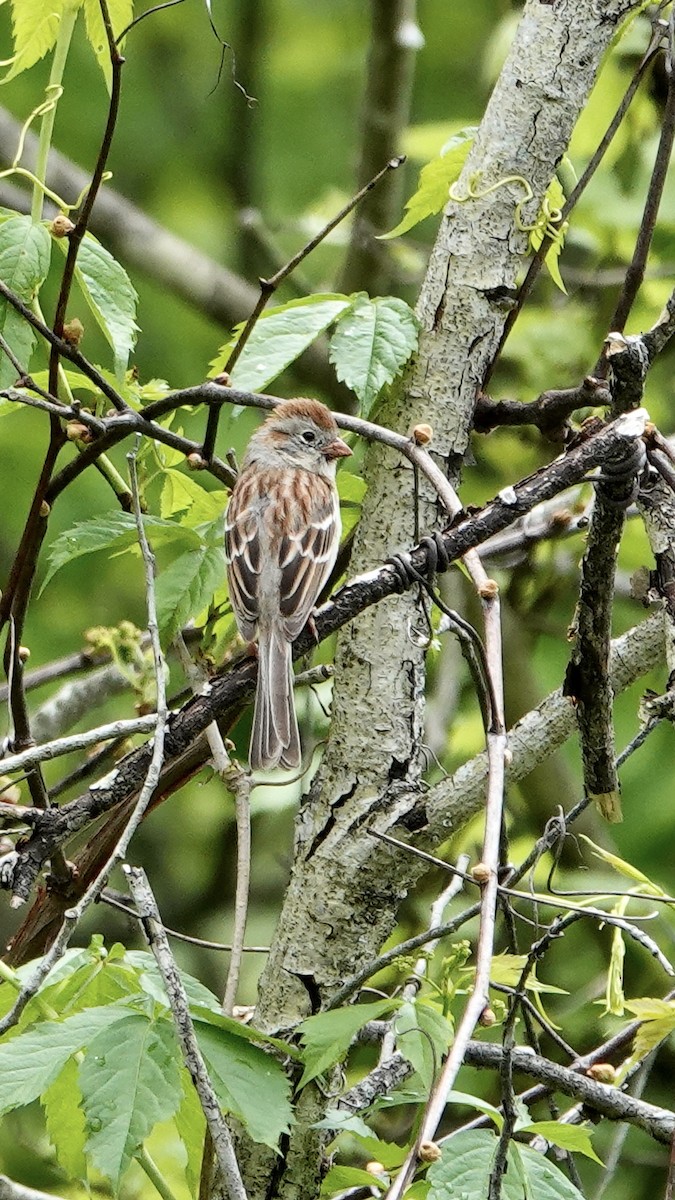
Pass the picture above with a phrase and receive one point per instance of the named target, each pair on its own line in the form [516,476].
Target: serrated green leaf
[35,28]
[327,1037]
[249,1083]
[190,1124]
[658,1022]
[575,1138]
[25,251]
[435,181]
[371,344]
[130,1080]
[65,1120]
[121,13]
[279,337]
[248,1033]
[186,587]
[31,1061]
[113,531]
[110,295]
[464,1171]
[340,1179]
[94,984]
[182,494]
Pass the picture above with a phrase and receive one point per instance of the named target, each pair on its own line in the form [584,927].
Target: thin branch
[240,783]
[192,1055]
[77,741]
[77,234]
[636,269]
[228,691]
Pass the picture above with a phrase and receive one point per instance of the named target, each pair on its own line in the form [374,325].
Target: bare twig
[77,741]
[240,783]
[192,1055]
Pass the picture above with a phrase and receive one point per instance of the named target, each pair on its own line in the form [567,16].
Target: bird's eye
[308,436]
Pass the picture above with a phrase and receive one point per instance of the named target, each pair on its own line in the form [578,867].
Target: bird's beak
[336,449]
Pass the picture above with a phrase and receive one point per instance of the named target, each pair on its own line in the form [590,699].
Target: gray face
[293,442]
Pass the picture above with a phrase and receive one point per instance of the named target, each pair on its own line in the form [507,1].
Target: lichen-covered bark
[346,887]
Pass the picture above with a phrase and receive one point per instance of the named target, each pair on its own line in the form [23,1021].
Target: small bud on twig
[61,226]
[422,434]
[45,509]
[487,1018]
[73,331]
[429,1152]
[77,432]
[375,1168]
[24,654]
[602,1072]
[480,872]
[195,462]
[489,590]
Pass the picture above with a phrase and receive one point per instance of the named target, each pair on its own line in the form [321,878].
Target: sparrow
[282,534]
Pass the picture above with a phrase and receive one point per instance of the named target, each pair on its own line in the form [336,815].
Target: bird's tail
[275,739]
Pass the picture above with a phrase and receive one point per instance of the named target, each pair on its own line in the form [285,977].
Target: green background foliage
[189,150]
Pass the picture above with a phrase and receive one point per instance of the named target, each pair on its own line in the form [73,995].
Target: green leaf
[554,198]
[351,488]
[614,993]
[658,1022]
[151,982]
[31,1061]
[624,868]
[279,337]
[423,1036]
[388,1153]
[327,1036]
[113,531]
[185,588]
[435,181]
[190,1124]
[181,493]
[247,1033]
[35,27]
[130,1080]
[483,1106]
[371,344]
[65,1120]
[249,1082]
[569,1137]
[110,295]
[25,250]
[121,13]
[340,1179]
[464,1171]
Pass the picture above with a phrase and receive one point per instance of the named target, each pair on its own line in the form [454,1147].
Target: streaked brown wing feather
[242,550]
[291,521]
[306,560]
